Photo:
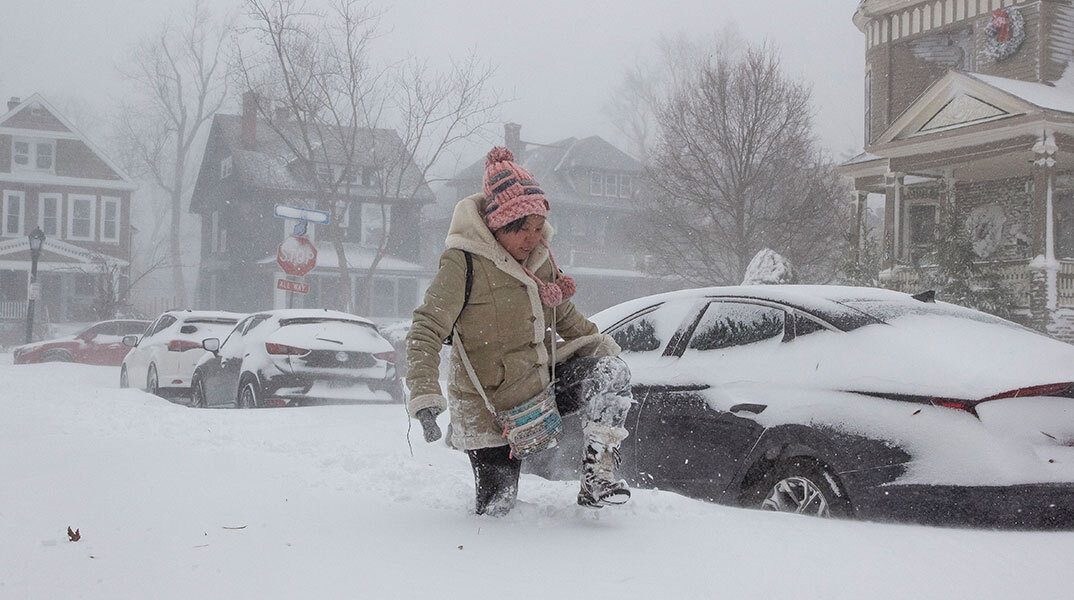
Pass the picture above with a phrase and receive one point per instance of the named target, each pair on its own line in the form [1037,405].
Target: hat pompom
[551,295]
[566,286]
[499,154]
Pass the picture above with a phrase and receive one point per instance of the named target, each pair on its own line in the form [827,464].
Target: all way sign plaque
[293,286]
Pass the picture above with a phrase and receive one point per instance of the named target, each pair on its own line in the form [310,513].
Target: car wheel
[803,486]
[248,395]
[197,393]
[124,379]
[57,356]
[152,382]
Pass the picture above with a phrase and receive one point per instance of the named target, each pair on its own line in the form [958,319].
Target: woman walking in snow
[498,290]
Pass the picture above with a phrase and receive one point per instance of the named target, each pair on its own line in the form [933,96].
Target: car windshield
[888,312]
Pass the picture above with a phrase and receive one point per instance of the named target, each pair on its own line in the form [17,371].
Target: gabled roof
[35,116]
[551,164]
[959,100]
[272,165]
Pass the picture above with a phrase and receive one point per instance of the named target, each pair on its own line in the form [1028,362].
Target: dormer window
[33,155]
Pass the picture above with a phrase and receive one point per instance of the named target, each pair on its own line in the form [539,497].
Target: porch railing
[12,310]
[1015,277]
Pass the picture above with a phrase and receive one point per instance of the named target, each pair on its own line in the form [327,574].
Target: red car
[100,344]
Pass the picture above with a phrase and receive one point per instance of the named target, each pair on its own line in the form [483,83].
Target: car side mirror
[211,344]
[130,340]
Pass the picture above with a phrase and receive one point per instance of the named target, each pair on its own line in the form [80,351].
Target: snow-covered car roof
[822,300]
[312,313]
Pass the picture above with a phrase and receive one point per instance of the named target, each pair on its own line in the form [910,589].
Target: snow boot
[600,485]
[495,480]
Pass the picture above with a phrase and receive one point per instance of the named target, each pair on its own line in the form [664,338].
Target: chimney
[13,102]
[249,120]
[512,139]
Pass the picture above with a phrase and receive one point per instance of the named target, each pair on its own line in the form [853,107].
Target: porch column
[857,221]
[893,183]
[1044,268]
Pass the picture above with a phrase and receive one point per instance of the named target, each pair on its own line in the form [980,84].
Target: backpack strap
[469,288]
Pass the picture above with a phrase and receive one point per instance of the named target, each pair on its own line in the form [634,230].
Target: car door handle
[753,408]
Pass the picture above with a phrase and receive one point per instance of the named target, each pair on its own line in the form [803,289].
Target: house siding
[76,159]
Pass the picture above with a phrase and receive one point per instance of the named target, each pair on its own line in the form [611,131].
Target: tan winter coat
[503,329]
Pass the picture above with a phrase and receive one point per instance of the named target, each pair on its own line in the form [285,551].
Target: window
[868,107]
[596,183]
[44,156]
[21,153]
[626,186]
[376,220]
[80,217]
[1064,224]
[33,155]
[383,297]
[109,219]
[48,214]
[611,184]
[406,296]
[729,324]
[922,223]
[368,176]
[14,214]
[214,232]
[225,167]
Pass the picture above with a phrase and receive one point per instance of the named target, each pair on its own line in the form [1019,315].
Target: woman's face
[521,243]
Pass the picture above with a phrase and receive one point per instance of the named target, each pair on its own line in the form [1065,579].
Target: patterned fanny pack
[532,426]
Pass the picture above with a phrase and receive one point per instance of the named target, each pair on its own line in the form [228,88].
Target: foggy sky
[558,58]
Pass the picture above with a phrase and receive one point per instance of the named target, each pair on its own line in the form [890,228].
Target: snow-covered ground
[328,502]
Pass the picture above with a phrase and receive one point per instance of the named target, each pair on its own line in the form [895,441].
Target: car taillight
[1051,389]
[388,356]
[273,348]
[182,345]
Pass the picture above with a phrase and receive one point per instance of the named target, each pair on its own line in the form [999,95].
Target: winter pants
[598,386]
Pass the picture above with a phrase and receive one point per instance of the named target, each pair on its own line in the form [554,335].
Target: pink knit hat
[510,190]
[512,193]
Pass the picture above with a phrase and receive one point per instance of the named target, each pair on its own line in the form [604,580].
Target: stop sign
[296,256]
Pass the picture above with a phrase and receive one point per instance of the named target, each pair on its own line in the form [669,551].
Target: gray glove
[427,418]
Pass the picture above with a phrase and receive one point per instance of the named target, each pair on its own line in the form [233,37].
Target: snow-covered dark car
[841,401]
[98,344]
[297,356]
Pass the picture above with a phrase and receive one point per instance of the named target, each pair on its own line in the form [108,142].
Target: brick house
[592,187]
[969,106]
[247,169]
[53,177]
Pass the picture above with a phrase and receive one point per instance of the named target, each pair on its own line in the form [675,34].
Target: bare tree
[633,104]
[351,124]
[180,82]
[736,169]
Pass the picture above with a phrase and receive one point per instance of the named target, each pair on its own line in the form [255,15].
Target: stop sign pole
[296,255]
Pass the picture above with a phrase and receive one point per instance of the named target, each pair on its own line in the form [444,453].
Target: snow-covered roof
[550,165]
[271,164]
[1058,97]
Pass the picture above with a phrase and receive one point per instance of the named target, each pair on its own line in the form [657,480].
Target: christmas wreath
[1004,34]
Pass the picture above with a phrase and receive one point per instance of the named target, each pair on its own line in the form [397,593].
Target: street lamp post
[37,238]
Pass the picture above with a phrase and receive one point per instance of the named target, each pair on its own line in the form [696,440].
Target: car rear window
[892,311]
[315,320]
[211,323]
